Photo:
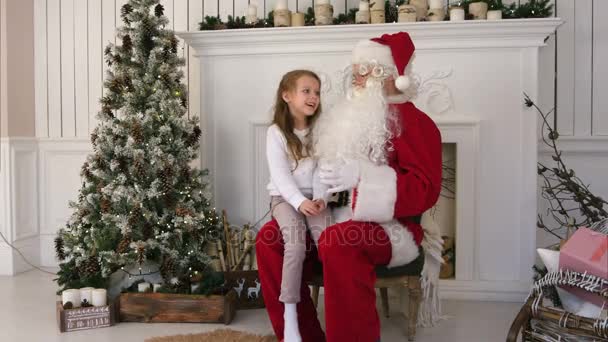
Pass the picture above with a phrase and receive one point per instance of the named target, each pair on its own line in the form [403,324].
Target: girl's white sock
[292,331]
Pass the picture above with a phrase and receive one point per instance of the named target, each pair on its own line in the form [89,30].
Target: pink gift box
[586,251]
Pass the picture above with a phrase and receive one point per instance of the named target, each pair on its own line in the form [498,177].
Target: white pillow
[570,302]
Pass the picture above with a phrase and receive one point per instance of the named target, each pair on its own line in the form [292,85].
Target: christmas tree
[140,201]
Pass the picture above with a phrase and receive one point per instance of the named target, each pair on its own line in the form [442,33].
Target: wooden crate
[247,287]
[85,318]
[177,308]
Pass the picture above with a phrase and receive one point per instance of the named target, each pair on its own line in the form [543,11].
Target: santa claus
[386,154]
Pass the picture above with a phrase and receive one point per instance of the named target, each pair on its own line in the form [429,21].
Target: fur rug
[221,335]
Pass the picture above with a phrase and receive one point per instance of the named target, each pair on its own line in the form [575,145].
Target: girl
[288,150]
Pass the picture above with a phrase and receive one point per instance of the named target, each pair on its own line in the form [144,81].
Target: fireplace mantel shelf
[428,35]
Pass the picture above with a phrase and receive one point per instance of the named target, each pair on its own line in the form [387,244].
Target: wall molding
[19,202]
[578,144]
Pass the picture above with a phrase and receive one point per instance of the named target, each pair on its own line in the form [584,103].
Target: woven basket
[536,322]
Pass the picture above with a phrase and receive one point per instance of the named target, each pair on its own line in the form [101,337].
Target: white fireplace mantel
[471,78]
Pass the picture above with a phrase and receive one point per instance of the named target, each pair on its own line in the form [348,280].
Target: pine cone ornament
[194,136]
[91,266]
[181,211]
[147,231]
[105,205]
[159,10]
[125,10]
[134,216]
[167,268]
[86,171]
[59,252]
[141,254]
[94,137]
[140,169]
[124,244]
[166,178]
[107,111]
[173,40]
[137,132]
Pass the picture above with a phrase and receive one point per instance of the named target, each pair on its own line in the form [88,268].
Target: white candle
[99,297]
[363,6]
[281,5]
[322,2]
[495,15]
[457,14]
[378,5]
[86,293]
[252,10]
[72,296]
[156,287]
[143,287]
[436,4]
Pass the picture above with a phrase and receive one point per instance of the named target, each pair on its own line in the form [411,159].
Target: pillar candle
[72,296]
[297,19]
[479,10]
[281,5]
[363,5]
[495,15]
[86,293]
[421,8]
[436,14]
[143,287]
[322,2]
[456,14]
[99,297]
[377,5]
[407,13]
[436,4]
[282,17]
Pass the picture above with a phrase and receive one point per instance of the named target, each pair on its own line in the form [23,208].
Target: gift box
[586,251]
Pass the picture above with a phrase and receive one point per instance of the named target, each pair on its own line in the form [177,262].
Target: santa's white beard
[355,128]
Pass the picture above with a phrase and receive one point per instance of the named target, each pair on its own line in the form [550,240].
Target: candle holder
[479,10]
[407,13]
[282,17]
[324,14]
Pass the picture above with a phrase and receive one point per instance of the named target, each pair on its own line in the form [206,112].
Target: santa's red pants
[349,252]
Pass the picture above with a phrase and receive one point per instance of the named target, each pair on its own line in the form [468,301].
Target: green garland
[531,9]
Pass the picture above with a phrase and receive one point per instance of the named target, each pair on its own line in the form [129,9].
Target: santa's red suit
[382,231]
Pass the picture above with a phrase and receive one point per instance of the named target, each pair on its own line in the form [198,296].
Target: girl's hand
[309,208]
[320,204]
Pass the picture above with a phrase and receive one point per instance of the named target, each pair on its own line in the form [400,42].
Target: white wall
[70,36]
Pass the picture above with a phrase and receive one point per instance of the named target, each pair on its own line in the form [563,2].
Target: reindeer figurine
[254,290]
[239,289]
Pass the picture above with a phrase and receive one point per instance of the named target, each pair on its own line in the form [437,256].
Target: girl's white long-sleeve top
[291,183]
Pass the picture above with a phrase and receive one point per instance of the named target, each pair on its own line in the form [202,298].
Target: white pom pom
[402,82]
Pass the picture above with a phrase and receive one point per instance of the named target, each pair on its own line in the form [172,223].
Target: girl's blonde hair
[284,120]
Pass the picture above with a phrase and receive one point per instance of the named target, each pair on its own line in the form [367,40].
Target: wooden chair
[406,277]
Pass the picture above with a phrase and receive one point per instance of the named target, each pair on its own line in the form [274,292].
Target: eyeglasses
[376,70]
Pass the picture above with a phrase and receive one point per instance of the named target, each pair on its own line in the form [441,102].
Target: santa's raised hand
[340,177]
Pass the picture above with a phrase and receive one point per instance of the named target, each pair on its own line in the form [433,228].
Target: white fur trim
[376,193]
[404,248]
[402,83]
[367,50]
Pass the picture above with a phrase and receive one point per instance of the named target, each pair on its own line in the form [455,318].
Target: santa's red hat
[390,49]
